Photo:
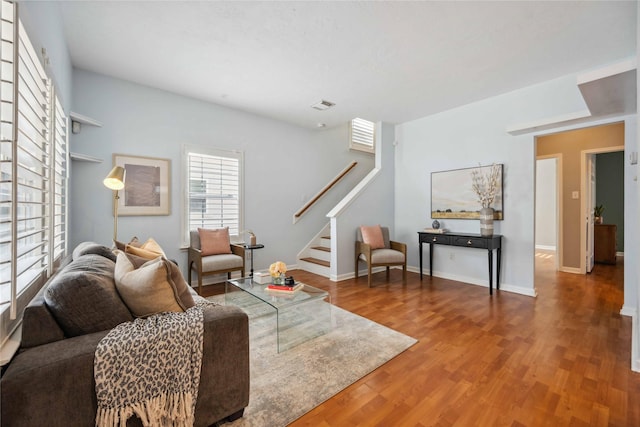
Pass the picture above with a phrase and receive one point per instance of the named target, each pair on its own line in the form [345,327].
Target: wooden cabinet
[604,243]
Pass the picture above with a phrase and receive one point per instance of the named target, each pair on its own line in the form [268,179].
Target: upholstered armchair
[216,256]
[374,247]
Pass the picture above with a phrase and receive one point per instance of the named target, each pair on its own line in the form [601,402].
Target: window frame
[186,180]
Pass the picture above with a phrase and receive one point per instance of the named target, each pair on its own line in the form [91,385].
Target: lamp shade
[115,179]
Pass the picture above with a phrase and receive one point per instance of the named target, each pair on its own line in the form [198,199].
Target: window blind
[214,191]
[33,172]
[362,135]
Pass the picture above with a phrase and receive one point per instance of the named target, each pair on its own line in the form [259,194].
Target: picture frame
[452,195]
[146,186]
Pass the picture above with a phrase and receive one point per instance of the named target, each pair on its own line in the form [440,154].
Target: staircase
[316,257]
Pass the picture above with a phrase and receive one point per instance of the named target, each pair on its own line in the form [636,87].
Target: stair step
[321,248]
[317,261]
[326,237]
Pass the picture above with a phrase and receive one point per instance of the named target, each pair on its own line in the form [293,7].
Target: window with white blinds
[33,172]
[362,135]
[214,190]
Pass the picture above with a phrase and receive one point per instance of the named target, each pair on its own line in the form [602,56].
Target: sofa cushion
[83,297]
[86,248]
[154,287]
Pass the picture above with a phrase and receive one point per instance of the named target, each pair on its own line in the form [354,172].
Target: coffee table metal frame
[282,304]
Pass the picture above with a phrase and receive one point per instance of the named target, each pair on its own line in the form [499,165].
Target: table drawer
[436,238]
[471,242]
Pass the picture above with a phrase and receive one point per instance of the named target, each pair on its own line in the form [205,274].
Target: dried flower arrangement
[486,185]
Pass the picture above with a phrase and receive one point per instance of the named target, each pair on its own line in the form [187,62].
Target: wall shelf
[84,158]
[84,119]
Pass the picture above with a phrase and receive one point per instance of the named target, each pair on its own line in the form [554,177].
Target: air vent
[323,105]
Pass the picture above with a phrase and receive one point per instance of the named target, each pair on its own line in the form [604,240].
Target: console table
[468,240]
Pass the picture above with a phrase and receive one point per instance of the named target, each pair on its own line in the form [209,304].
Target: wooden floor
[561,359]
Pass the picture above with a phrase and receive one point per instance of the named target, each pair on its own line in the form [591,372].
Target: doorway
[574,209]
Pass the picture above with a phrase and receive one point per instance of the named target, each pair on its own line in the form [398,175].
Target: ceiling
[389,61]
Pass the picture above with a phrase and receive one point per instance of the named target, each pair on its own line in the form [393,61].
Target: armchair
[207,265]
[380,251]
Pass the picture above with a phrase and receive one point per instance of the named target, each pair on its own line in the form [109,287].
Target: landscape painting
[452,195]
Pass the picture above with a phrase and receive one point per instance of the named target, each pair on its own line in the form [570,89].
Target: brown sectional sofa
[50,381]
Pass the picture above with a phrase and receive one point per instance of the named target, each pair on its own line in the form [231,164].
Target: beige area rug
[287,385]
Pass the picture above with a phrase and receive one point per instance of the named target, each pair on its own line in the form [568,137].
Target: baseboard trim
[546,248]
[485,283]
[620,254]
[572,270]
[628,311]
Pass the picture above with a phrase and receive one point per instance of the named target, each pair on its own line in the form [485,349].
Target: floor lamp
[115,181]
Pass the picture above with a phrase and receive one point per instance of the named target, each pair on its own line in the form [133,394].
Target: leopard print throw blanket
[151,368]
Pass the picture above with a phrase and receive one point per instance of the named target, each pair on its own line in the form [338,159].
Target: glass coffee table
[299,316]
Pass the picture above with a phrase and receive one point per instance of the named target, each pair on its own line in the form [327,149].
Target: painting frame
[147,190]
[452,195]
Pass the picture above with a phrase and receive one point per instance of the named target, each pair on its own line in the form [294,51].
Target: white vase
[486,222]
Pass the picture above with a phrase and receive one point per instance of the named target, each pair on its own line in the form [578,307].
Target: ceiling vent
[323,105]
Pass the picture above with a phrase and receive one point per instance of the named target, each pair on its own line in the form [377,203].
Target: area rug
[287,385]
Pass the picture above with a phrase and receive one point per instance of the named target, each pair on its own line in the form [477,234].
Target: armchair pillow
[214,242]
[372,236]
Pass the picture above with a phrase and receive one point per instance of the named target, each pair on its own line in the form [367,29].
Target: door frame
[585,190]
[558,212]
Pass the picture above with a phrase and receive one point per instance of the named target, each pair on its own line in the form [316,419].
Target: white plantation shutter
[362,135]
[214,190]
[33,173]
[59,163]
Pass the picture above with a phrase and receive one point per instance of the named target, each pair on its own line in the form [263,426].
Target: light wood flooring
[561,359]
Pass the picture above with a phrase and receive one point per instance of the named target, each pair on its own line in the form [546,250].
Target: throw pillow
[152,288]
[86,248]
[372,236]
[83,297]
[183,290]
[149,249]
[214,242]
[122,246]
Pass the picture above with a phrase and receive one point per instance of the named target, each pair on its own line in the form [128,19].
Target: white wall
[43,23]
[374,205]
[464,137]
[546,204]
[285,165]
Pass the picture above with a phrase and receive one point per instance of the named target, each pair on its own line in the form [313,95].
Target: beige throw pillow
[214,242]
[372,236]
[149,249]
[122,245]
[155,287]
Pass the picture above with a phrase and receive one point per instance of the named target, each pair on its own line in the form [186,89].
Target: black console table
[468,240]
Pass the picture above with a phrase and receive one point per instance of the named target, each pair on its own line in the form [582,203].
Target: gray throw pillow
[83,297]
[86,248]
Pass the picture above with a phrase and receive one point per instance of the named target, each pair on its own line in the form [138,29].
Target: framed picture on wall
[453,197]
[146,186]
